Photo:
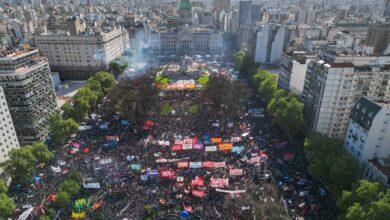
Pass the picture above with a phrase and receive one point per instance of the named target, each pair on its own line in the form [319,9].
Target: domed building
[185,12]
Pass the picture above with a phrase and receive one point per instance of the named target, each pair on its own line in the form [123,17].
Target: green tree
[6,206]
[86,93]
[45,217]
[41,153]
[118,66]
[267,87]
[368,200]
[95,86]
[3,187]
[23,161]
[134,99]
[62,129]
[71,187]
[287,112]
[63,199]
[76,176]
[222,98]
[21,164]
[105,79]
[329,161]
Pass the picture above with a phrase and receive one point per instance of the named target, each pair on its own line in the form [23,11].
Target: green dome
[185,5]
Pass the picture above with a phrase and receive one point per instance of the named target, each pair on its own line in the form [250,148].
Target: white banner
[211,148]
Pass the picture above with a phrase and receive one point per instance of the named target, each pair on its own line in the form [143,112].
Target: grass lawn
[203,80]
[163,80]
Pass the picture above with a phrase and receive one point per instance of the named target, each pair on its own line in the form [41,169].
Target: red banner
[198,181]
[208,164]
[225,146]
[219,183]
[182,164]
[168,174]
[235,172]
[176,148]
[216,140]
[198,193]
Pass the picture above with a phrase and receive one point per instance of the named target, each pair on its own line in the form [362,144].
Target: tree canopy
[329,161]
[62,129]
[3,187]
[6,206]
[23,161]
[118,66]
[222,97]
[368,200]
[134,99]
[71,187]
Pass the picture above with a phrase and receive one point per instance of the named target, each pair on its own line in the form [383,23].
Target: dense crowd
[138,170]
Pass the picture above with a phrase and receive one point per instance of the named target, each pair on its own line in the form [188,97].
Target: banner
[180,179]
[168,174]
[135,166]
[178,142]
[235,172]
[237,149]
[186,146]
[254,160]
[219,164]
[225,146]
[91,185]
[198,193]
[216,140]
[197,146]
[219,183]
[211,148]
[190,140]
[198,181]
[235,139]
[196,165]
[163,143]
[230,191]
[208,164]
[176,148]
[182,164]
[150,172]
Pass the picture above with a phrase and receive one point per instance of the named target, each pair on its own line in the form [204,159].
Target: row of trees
[118,66]
[329,161]
[84,100]
[285,107]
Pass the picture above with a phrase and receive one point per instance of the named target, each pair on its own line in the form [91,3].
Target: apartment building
[8,138]
[79,56]
[269,44]
[28,88]
[368,130]
[334,82]
[293,71]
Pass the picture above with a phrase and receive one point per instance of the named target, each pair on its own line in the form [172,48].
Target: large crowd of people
[180,163]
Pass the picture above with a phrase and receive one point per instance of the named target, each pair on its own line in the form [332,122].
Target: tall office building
[335,82]
[269,44]
[28,87]
[378,37]
[245,9]
[8,138]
